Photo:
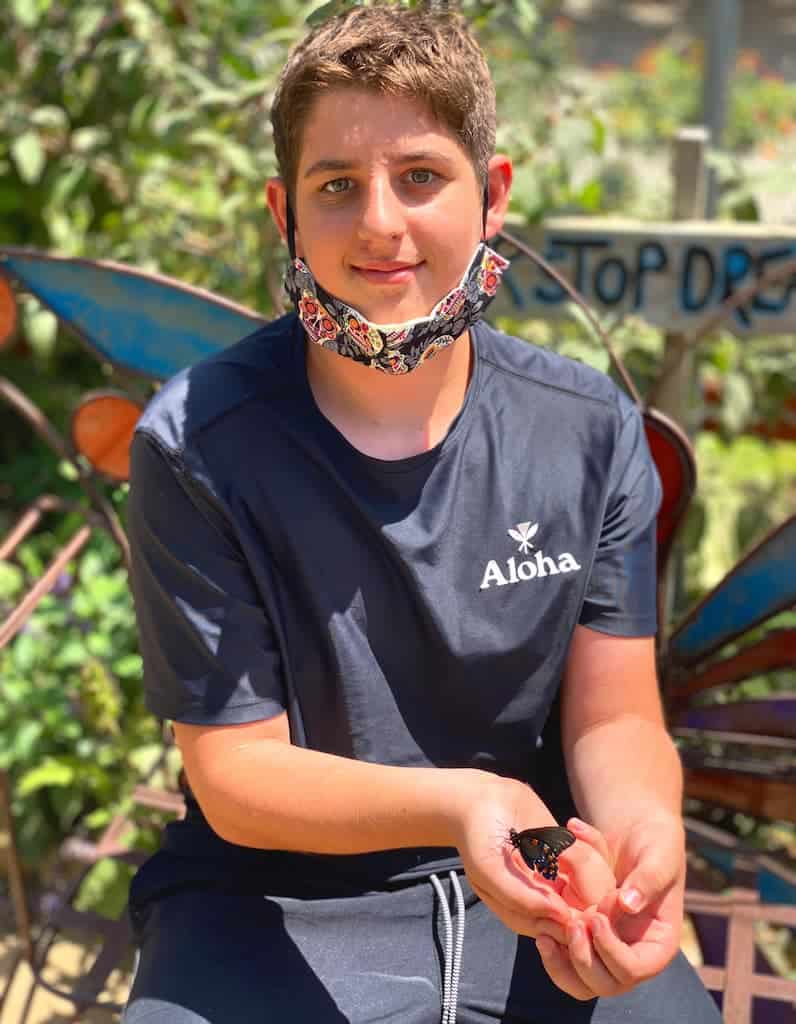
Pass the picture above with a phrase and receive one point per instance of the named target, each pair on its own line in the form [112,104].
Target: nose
[382,212]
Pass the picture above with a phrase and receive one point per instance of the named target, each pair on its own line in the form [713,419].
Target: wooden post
[672,393]
[722,31]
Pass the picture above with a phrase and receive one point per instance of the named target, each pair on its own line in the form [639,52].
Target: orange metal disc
[8,311]
[102,429]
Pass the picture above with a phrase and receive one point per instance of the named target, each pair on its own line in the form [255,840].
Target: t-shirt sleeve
[621,593]
[208,646]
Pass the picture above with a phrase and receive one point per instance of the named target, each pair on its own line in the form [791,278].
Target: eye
[421,176]
[336,185]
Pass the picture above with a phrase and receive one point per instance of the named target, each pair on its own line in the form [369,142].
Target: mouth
[388,272]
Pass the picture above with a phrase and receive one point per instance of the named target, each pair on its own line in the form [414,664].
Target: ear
[276,197]
[500,174]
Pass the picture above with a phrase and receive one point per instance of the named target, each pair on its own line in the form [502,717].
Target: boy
[374,544]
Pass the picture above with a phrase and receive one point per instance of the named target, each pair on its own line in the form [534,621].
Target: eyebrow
[422,156]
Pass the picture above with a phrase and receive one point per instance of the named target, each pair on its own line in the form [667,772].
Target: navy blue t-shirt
[408,612]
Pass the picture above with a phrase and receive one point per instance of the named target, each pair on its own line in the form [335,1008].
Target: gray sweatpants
[224,956]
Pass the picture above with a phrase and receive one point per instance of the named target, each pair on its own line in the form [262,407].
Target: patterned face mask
[394,348]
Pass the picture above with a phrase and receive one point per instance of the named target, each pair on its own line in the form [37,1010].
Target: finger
[522,923]
[588,965]
[527,892]
[629,964]
[589,876]
[555,960]
[593,836]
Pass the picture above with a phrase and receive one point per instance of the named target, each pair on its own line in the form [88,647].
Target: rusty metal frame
[98,503]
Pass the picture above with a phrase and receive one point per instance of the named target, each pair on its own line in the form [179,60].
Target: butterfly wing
[555,837]
[540,847]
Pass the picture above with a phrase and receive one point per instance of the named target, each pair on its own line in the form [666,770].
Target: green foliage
[72,721]
[663,91]
[651,101]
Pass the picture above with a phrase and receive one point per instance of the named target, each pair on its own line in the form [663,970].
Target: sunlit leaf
[29,156]
[51,772]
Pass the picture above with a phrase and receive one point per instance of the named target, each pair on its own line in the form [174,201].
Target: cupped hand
[635,932]
[520,897]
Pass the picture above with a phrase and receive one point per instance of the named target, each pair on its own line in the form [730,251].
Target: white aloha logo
[539,567]
[522,533]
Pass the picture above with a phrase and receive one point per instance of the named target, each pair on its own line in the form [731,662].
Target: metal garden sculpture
[740,754]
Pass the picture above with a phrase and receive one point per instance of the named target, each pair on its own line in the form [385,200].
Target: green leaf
[41,328]
[600,133]
[236,156]
[130,666]
[90,137]
[738,402]
[105,888]
[326,11]
[527,16]
[28,12]
[11,581]
[50,116]
[25,740]
[29,156]
[71,654]
[51,772]
[590,196]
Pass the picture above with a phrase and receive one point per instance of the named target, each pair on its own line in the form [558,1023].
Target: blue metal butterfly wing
[760,586]
[150,324]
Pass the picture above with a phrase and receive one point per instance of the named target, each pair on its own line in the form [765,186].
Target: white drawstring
[452,954]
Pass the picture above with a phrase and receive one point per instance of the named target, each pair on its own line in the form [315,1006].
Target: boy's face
[388,205]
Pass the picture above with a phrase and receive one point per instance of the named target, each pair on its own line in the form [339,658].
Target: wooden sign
[675,275]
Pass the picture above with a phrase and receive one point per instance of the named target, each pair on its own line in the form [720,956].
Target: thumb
[654,873]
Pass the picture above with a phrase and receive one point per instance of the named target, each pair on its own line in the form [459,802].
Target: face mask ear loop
[291,231]
[486,207]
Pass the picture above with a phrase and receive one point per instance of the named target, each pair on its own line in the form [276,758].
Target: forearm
[272,795]
[623,771]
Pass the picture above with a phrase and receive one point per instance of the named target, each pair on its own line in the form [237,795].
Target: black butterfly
[540,847]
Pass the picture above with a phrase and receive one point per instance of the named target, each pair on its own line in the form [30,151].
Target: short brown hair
[429,56]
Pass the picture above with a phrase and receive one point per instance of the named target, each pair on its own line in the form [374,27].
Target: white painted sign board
[674,275]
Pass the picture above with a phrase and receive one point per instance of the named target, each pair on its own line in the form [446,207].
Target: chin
[397,312]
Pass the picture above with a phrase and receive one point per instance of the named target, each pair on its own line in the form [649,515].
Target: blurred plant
[74,735]
[662,92]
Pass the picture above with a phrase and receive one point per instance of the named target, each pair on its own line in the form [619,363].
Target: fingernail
[577,823]
[632,900]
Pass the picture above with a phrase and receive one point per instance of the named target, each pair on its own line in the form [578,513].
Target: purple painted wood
[711,930]
[770,716]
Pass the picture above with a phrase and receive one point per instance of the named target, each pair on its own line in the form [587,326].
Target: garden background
[138,131]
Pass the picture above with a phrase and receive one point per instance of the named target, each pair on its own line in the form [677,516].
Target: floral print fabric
[394,348]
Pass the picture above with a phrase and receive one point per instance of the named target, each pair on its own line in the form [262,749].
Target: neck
[391,416]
